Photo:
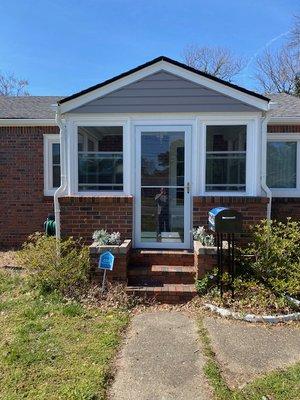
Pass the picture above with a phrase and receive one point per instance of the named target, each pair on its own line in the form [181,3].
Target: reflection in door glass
[162,215]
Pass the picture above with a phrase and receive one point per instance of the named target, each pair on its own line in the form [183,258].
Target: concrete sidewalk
[161,360]
[246,350]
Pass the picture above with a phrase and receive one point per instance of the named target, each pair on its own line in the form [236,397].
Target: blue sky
[63,46]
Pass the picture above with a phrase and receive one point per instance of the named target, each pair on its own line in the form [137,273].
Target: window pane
[226,138]
[55,153]
[162,158]
[100,138]
[100,169]
[226,172]
[100,158]
[56,176]
[226,157]
[55,165]
[281,164]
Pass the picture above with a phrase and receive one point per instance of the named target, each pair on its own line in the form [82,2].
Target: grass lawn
[53,349]
[278,385]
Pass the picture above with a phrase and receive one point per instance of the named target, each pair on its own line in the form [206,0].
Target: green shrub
[56,265]
[209,280]
[274,255]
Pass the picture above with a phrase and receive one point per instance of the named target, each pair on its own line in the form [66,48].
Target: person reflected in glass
[162,213]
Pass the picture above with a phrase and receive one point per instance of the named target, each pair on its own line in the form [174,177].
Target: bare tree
[217,61]
[10,85]
[294,37]
[276,71]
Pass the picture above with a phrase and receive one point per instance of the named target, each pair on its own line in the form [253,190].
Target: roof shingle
[27,107]
[287,105]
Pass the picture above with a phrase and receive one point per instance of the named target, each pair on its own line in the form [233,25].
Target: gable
[163,91]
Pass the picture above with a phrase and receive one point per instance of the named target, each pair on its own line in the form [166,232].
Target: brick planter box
[121,253]
[205,258]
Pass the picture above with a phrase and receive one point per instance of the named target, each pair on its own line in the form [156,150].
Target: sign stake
[103,281]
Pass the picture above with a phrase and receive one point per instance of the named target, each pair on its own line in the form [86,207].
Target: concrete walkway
[161,360]
[246,350]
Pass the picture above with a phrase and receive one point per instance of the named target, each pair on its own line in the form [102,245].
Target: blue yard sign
[106,261]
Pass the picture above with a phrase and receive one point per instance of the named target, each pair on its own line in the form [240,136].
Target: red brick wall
[283,128]
[282,208]
[23,207]
[253,209]
[81,216]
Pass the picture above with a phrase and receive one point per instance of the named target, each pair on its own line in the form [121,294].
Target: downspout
[264,134]
[63,162]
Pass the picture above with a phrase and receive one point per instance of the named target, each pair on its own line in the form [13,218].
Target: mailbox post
[225,222]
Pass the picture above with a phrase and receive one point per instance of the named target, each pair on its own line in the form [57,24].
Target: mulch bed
[251,298]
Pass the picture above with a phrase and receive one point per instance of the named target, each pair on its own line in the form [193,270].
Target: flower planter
[121,253]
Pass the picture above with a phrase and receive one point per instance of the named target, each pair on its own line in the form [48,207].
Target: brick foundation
[205,259]
[282,208]
[23,206]
[80,216]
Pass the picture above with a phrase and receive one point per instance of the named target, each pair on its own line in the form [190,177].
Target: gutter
[63,154]
[263,178]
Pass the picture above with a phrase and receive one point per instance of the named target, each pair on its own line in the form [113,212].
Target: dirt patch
[8,259]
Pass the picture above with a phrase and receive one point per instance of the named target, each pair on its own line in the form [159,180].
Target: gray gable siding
[164,92]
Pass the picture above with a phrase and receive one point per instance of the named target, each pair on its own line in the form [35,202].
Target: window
[226,158]
[282,164]
[51,163]
[100,158]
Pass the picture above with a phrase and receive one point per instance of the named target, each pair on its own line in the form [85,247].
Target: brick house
[147,153]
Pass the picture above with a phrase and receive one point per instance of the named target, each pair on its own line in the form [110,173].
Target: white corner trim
[168,67]
[27,122]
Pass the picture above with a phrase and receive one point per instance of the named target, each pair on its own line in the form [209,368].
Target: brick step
[165,293]
[162,257]
[163,273]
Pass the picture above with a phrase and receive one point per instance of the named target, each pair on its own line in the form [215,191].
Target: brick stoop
[166,275]
[166,293]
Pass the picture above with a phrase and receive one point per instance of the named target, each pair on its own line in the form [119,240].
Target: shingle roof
[287,105]
[39,107]
[24,107]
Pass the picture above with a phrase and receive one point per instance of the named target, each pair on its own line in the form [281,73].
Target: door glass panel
[162,187]
[162,158]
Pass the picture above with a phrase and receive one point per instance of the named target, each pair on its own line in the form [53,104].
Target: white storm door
[162,209]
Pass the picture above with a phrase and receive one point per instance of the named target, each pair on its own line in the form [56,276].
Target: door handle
[188,187]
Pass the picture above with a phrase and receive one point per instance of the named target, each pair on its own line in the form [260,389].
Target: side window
[100,158]
[51,163]
[226,158]
[282,164]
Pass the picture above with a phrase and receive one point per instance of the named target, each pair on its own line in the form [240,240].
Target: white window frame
[49,140]
[285,137]
[252,159]
[73,164]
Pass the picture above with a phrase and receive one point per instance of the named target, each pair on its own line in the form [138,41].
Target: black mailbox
[224,220]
